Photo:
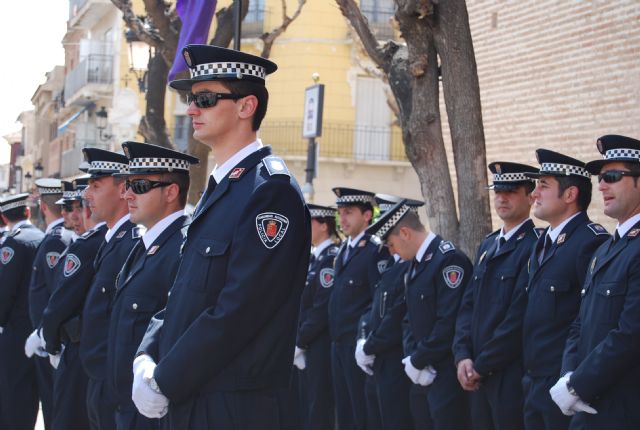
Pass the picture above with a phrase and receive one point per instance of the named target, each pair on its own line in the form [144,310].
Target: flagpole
[237,24]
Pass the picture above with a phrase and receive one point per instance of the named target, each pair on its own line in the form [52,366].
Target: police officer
[56,239]
[157,185]
[227,334]
[105,197]
[312,354]
[557,268]
[18,385]
[488,343]
[61,331]
[601,363]
[379,351]
[434,285]
[359,263]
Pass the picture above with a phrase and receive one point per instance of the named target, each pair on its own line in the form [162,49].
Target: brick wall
[556,74]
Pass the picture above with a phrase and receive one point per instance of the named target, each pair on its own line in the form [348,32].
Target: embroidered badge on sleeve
[271,228]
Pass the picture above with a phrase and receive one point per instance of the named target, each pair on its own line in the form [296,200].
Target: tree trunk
[453,41]
[153,126]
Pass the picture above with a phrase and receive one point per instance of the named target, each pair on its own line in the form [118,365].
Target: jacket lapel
[247,164]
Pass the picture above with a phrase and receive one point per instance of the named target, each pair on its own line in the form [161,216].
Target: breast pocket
[503,282]
[208,262]
[136,314]
[610,300]
[557,298]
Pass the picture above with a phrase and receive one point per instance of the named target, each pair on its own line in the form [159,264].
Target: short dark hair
[331,224]
[16,214]
[635,168]
[529,187]
[584,189]
[246,88]
[50,200]
[183,182]
[411,220]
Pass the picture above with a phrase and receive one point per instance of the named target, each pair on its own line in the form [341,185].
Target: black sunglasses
[207,99]
[613,176]
[143,186]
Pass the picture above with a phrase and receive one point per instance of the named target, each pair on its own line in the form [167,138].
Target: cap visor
[594,167]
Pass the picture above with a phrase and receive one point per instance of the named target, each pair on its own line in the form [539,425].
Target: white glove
[363,360]
[299,358]
[1,330]
[150,403]
[568,403]
[411,371]
[54,359]
[34,345]
[427,376]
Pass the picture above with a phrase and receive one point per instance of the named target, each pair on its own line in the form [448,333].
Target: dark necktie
[616,237]
[545,248]
[207,193]
[501,242]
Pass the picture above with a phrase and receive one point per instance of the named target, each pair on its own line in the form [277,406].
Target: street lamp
[101,123]
[27,181]
[38,170]
[139,55]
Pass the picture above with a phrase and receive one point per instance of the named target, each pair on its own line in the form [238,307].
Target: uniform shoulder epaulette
[87,234]
[57,231]
[538,231]
[492,234]
[446,246]
[275,166]
[375,240]
[597,228]
[332,251]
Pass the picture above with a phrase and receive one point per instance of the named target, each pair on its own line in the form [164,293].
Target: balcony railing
[94,69]
[72,158]
[338,140]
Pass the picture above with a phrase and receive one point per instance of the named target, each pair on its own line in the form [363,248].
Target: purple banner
[196,16]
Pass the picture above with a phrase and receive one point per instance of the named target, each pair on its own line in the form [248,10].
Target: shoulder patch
[275,166]
[326,277]
[446,246]
[121,235]
[71,265]
[6,254]
[597,229]
[52,259]
[271,228]
[453,276]
[538,231]
[634,232]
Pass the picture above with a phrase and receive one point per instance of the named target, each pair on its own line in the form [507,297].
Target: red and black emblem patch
[71,265]
[6,254]
[326,277]
[236,173]
[271,228]
[52,259]
[453,276]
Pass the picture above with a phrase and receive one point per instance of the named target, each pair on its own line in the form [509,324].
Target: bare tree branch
[162,19]
[270,37]
[224,29]
[135,23]
[352,12]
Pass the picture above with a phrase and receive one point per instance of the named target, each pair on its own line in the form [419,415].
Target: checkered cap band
[107,166]
[49,190]
[393,220]
[69,195]
[510,177]
[565,169]
[228,68]
[621,153]
[322,213]
[356,198]
[13,205]
[158,163]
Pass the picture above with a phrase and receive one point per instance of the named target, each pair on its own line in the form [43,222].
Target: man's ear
[247,106]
